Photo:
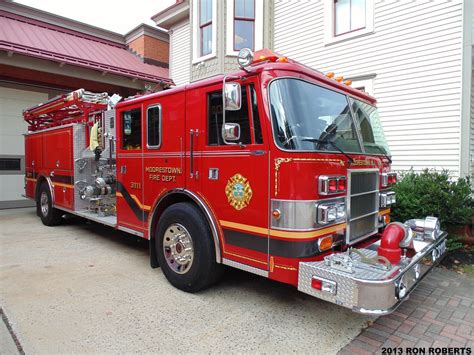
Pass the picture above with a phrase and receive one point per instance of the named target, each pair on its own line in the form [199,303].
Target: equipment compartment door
[57,164]
[235,177]
[130,212]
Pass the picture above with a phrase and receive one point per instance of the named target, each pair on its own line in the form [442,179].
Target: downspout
[466,85]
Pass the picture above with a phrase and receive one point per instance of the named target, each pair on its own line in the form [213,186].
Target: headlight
[331,213]
[387,199]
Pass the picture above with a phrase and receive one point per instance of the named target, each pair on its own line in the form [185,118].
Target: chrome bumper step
[368,288]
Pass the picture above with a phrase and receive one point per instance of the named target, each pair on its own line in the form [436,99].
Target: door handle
[123,169]
[192,173]
[191,153]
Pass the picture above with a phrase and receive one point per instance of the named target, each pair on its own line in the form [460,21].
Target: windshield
[309,117]
[372,135]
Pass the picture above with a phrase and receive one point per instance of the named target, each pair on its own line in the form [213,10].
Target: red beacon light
[246,57]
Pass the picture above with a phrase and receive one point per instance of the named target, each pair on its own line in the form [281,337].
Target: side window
[153,126]
[214,124]
[255,116]
[131,129]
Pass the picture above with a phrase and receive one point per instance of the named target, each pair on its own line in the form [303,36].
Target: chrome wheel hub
[44,203]
[178,248]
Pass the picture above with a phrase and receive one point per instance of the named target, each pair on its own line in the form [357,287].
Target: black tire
[185,219]
[49,215]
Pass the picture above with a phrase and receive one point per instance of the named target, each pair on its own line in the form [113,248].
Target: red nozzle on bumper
[390,242]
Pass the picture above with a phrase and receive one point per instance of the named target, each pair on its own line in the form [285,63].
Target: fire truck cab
[276,169]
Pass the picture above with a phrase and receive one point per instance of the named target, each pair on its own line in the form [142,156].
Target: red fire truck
[277,169]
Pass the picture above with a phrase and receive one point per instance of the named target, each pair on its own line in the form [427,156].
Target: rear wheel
[49,215]
[185,248]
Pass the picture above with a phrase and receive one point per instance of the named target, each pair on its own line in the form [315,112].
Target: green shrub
[433,193]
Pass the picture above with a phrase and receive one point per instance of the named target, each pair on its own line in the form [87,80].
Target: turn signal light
[325,243]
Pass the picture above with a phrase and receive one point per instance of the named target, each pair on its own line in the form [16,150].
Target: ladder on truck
[75,107]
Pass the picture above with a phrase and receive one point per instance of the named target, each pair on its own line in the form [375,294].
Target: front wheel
[185,248]
[49,215]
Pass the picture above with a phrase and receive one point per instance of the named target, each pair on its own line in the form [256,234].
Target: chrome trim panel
[244,267]
[207,212]
[299,215]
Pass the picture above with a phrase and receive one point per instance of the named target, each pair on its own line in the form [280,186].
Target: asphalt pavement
[86,288]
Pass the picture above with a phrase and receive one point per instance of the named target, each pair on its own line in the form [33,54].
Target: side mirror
[232,96]
[231,132]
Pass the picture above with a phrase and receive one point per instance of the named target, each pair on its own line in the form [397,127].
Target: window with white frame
[204,30]
[205,27]
[244,25]
[348,18]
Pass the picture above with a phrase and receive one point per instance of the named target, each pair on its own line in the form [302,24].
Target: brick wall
[150,48]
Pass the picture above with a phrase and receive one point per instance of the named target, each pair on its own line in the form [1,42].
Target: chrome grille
[363,204]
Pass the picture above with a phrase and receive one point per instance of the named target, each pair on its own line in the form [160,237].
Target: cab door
[130,209]
[235,176]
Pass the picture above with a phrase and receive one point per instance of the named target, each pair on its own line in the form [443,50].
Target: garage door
[12,150]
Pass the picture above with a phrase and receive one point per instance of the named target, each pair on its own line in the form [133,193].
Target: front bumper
[372,289]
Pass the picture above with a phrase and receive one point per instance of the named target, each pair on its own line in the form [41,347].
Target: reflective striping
[283,234]
[245,258]
[386,211]
[62,185]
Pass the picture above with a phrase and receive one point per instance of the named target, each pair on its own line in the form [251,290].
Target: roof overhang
[172,15]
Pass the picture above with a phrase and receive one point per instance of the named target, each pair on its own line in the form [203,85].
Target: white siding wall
[415,55]
[180,54]
[471,155]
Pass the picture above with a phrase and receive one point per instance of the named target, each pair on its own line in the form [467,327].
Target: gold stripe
[135,198]
[63,185]
[386,211]
[285,267]
[31,179]
[283,234]
[247,258]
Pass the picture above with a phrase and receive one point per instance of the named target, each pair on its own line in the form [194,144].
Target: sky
[107,14]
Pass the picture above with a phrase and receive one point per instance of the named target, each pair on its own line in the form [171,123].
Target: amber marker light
[325,243]
[330,75]
[348,82]
[339,79]
[282,60]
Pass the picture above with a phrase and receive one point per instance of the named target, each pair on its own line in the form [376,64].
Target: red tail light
[329,185]
[316,284]
[341,184]
[392,178]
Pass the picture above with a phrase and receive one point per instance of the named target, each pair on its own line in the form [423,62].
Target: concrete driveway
[82,287]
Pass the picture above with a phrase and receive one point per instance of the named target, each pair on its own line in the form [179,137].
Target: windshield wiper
[323,141]
[383,153]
